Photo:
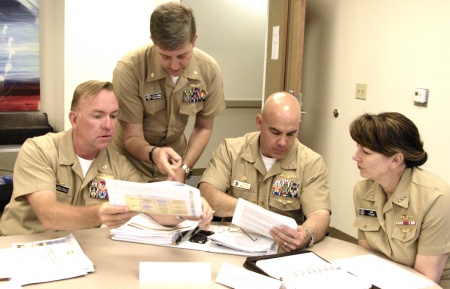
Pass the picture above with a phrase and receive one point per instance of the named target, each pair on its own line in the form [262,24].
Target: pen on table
[195,230]
[176,238]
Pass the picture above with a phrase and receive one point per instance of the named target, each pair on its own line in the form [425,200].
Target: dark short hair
[389,133]
[88,89]
[171,25]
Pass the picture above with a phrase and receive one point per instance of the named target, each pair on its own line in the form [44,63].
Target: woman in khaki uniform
[401,210]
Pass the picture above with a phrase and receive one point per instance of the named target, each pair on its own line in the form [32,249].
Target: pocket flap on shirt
[285,203]
[404,234]
[367,224]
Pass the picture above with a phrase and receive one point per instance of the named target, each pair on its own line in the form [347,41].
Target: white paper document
[166,198]
[252,217]
[143,229]
[243,241]
[175,273]
[49,260]
[240,278]
[382,273]
[308,270]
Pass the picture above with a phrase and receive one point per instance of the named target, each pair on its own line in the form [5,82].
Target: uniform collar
[402,193]
[156,71]
[68,157]
[66,151]
[252,153]
[400,197]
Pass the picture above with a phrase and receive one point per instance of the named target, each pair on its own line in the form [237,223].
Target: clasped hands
[169,163]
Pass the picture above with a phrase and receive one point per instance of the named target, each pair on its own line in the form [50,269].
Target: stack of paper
[143,229]
[44,261]
[243,241]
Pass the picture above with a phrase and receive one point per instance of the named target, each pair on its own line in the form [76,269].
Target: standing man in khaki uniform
[159,87]
[59,178]
[402,211]
[273,169]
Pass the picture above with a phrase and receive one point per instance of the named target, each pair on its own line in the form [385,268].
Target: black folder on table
[250,264]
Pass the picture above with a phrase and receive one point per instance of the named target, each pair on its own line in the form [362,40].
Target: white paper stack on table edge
[48,260]
[143,229]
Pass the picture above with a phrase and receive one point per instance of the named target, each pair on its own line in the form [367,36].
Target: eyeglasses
[233,228]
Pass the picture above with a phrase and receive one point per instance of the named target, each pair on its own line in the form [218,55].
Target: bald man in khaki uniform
[159,87]
[273,169]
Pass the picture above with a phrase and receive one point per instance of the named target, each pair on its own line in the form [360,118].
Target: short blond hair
[88,90]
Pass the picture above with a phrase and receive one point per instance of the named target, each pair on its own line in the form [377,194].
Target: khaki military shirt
[148,96]
[295,186]
[414,221]
[49,162]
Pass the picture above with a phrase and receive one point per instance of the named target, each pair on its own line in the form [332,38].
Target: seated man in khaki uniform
[273,169]
[59,178]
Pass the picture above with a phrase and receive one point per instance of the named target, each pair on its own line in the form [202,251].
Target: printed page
[240,278]
[382,273]
[253,218]
[166,198]
[49,260]
[308,270]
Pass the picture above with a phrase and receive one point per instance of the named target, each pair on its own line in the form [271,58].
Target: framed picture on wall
[19,55]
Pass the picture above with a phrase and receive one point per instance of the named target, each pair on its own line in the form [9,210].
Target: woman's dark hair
[389,133]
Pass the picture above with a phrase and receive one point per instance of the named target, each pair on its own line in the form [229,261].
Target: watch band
[187,170]
[150,154]
[312,237]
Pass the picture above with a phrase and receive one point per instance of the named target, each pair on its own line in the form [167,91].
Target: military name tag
[62,189]
[367,212]
[241,185]
[153,96]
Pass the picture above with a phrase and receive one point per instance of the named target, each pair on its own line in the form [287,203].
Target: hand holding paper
[164,198]
[253,218]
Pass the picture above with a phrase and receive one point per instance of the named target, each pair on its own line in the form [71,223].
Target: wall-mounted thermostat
[420,96]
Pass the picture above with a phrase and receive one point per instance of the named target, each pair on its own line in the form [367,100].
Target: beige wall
[83,39]
[394,47]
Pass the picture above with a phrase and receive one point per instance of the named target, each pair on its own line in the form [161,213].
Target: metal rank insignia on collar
[285,188]
[195,94]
